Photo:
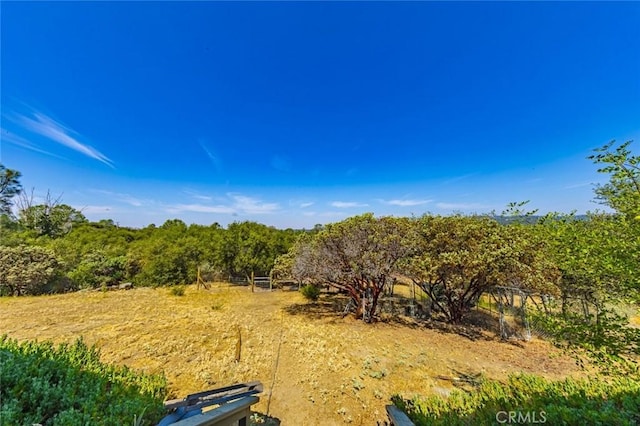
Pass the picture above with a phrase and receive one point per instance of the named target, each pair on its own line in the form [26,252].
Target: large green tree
[167,256]
[622,192]
[358,255]
[455,259]
[596,256]
[9,187]
[250,247]
[51,220]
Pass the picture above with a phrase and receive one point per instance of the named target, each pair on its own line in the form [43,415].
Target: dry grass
[331,370]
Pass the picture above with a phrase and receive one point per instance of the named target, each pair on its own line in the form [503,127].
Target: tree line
[52,247]
[590,260]
[453,259]
[456,259]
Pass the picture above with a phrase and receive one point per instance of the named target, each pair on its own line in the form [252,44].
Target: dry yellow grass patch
[330,371]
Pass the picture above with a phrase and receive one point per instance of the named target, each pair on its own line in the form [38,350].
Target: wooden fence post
[239,345]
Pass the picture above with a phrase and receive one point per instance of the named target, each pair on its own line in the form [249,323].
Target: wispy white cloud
[12,138]
[458,178]
[281,163]
[215,159]
[405,203]
[300,203]
[251,205]
[347,204]
[200,208]
[332,214]
[43,125]
[197,196]
[461,206]
[131,200]
[578,185]
[95,209]
[236,204]
[125,198]
[329,214]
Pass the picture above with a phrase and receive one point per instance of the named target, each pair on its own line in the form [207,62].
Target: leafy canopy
[9,187]
[358,255]
[622,192]
[455,259]
[27,269]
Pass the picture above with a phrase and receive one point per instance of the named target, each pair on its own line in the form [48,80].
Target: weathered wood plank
[224,415]
[214,395]
[397,417]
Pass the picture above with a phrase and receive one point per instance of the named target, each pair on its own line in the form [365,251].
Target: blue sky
[297,113]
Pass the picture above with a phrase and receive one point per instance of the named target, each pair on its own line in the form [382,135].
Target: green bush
[567,402]
[608,341]
[177,290]
[168,262]
[27,270]
[310,292]
[97,270]
[68,385]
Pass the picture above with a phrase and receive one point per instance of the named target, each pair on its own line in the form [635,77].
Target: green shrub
[568,402]
[97,270]
[310,292]
[27,270]
[167,262]
[177,290]
[608,341]
[68,385]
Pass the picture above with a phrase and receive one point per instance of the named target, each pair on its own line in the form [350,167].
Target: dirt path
[330,370]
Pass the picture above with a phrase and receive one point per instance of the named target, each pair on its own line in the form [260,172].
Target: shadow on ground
[315,310]
[468,330]
[479,324]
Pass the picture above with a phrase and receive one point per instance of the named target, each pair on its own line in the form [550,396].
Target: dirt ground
[317,367]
